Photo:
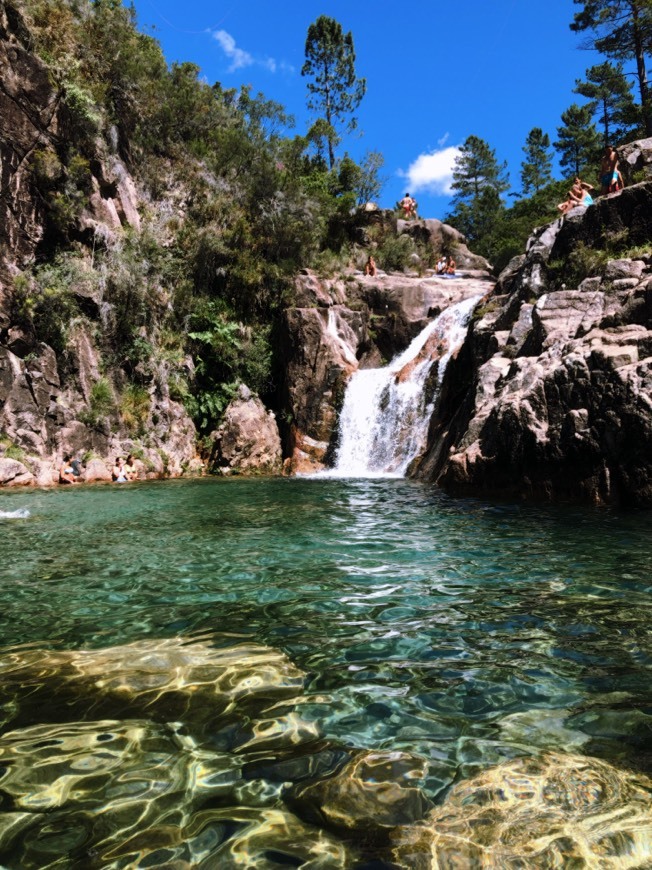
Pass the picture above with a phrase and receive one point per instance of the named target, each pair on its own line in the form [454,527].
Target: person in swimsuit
[66,471]
[370,266]
[129,468]
[409,207]
[118,473]
[609,171]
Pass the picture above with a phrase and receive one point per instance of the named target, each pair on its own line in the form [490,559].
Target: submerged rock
[171,678]
[551,811]
[133,793]
[375,790]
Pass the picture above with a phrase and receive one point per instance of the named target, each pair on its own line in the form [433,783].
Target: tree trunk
[641,72]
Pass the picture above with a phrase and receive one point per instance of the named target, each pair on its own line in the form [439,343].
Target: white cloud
[444,139]
[433,171]
[238,57]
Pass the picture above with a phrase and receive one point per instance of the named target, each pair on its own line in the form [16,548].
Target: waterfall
[386,412]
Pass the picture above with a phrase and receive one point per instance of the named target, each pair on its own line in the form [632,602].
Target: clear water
[465,632]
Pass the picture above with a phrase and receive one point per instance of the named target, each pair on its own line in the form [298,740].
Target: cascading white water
[386,412]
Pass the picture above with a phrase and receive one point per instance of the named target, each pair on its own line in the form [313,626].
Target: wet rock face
[551,811]
[341,325]
[550,397]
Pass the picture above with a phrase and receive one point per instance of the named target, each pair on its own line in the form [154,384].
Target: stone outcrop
[248,440]
[442,238]
[551,395]
[340,325]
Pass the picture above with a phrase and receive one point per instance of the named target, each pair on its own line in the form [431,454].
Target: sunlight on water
[271,667]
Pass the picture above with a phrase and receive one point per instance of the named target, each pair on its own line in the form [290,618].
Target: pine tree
[622,30]
[536,169]
[579,141]
[610,98]
[334,91]
[478,182]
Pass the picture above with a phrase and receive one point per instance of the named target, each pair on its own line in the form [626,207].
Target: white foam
[20,514]
[384,421]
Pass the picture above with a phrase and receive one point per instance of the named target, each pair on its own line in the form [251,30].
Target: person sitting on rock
[577,195]
[609,171]
[370,266]
[129,468]
[118,474]
[451,265]
[440,268]
[66,471]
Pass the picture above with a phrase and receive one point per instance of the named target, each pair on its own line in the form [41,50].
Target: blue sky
[436,72]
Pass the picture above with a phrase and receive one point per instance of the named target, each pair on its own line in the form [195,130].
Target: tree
[622,30]
[536,169]
[610,96]
[579,141]
[478,182]
[334,91]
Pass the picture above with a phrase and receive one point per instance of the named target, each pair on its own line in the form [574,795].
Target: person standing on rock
[609,171]
[409,207]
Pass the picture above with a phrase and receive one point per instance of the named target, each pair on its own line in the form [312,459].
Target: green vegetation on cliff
[229,208]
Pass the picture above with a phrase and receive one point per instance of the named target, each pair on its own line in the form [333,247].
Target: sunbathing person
[450,266]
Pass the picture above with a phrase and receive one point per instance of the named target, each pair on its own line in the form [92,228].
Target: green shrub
[135,405]
[101,403]
[394,253]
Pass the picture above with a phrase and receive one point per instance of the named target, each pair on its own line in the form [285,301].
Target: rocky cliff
[551,395]
[341,325]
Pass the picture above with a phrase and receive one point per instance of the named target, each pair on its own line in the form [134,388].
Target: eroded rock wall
[551,396]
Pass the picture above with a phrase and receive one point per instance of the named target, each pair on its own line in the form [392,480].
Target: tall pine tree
[610,98]
[334,92]
[536,169]
[622,30]
[478,181]
[579,141]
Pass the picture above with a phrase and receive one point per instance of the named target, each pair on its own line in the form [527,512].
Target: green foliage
[578,140]
[226,354]
[536,169]
[45,302]
[334,91]
[135,405]
[610,98]
[10,450]
[583,262]
[395,253]
[101,403]
[621,30]
[478,181]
